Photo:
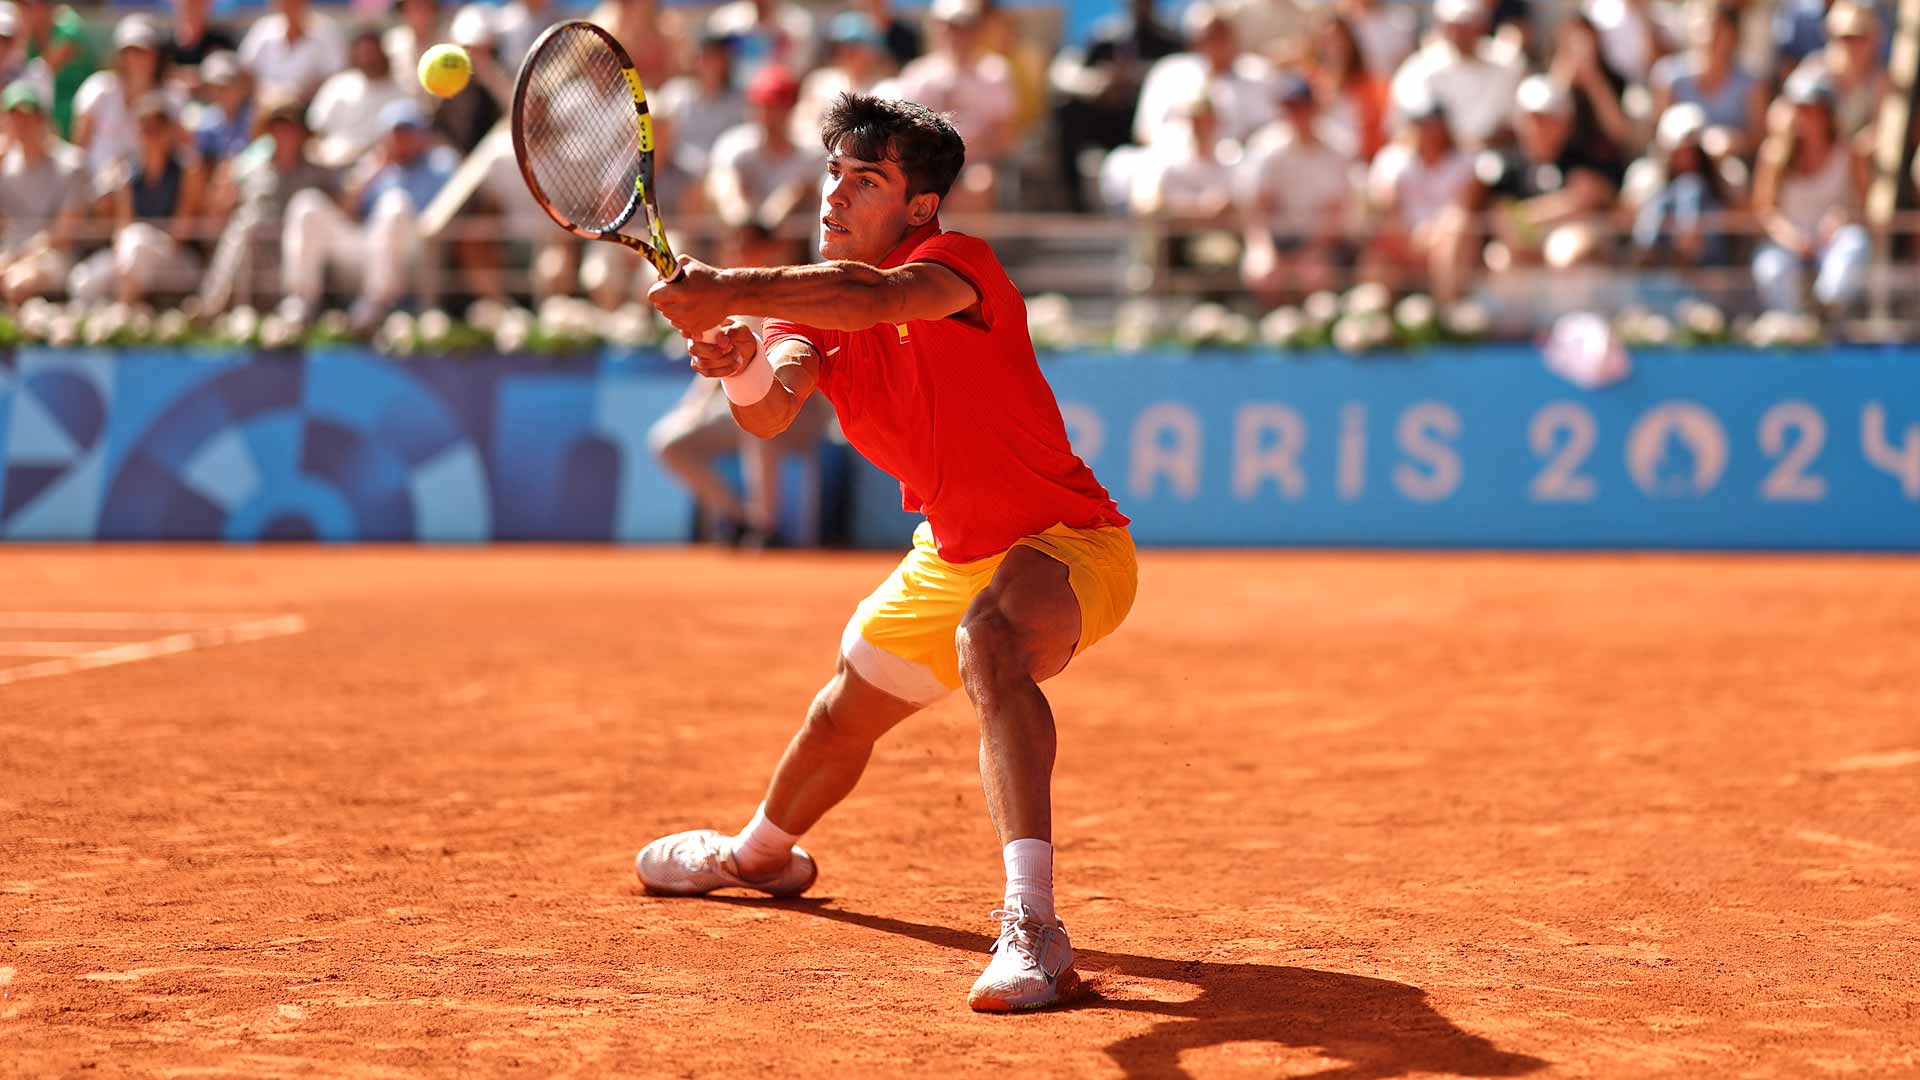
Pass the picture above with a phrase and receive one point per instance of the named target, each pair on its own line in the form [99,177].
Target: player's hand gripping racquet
[584,140]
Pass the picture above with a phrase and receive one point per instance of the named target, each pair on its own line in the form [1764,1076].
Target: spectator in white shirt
[704,105]
[758,173]
[291,52]
[103,121]
[1240,85]
[43,192]
[1191,180]
[1469,73]
[960,77]
[1850,64]
[345,114]
[1295,195]
[1416,191]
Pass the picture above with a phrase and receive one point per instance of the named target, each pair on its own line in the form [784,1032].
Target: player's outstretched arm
[831,296]
[766,392]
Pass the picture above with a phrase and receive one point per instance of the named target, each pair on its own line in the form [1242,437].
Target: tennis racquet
[584,139]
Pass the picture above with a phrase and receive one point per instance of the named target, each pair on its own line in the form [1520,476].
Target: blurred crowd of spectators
[291,158]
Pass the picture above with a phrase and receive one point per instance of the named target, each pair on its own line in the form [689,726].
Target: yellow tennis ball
[445,69]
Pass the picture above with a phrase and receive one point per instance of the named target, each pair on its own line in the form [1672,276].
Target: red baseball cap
[773,85]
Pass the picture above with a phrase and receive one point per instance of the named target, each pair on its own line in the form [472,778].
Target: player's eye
[868,182]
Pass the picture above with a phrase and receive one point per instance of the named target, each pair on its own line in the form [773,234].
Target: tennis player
[919,340]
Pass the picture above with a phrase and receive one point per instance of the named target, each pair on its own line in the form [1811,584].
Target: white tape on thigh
[915,684]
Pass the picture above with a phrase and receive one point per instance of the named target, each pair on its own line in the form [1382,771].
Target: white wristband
[749,385]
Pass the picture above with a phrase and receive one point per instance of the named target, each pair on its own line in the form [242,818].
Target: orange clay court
[372,812]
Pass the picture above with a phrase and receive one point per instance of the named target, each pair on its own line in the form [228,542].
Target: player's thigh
[853,708]
[1028,615]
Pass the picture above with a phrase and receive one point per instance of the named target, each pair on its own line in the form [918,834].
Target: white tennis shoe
[1032,965]
[700,861]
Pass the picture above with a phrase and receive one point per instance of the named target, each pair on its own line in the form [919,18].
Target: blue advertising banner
[1484,447]
[1470,447]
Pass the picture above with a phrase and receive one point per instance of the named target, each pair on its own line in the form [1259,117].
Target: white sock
[762,843]
[1030,876]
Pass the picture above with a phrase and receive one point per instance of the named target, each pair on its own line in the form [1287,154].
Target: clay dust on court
[1336,815]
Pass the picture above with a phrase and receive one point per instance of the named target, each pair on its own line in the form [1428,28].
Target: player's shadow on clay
[1379,1028]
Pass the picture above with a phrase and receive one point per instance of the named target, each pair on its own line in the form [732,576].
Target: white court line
[119,620]
[170,645]
[50,648]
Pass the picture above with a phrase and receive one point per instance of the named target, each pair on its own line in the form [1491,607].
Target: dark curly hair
[925,146]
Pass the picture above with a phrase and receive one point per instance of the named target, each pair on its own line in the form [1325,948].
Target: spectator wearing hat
[156,207]
[1239,84]
[757,171]
[223,125]
[103,120]
[194,38]
[765,33]
[43,192]
[1416,190]
[959,76]
[253,194]
[1850,64]
[291,51]
[57,37]
[705,104]
[345,116]
[14,64]
[1680,195]
[1096,88]
[372,233]
[1295,193]
[1467,71]
[1549,198]
[1707,74]
[857,61]
[1809,185]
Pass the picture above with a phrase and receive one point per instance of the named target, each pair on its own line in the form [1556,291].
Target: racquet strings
[583,145]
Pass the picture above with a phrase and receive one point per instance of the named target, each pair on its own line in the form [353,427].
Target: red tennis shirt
[959,414]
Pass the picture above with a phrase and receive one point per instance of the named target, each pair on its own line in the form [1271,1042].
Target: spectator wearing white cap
[103,122]
[857,61]
[1708,74]
[1239,84]
[1549,199]
[1465,70]
[1416,192]
[291,51]
[372,233]
[43,192]
[1809,187]
[1680,194]
[155,207]
[1850,65]
[14,64]
[960,77]
[345,116]
[1295,193]
[222,126]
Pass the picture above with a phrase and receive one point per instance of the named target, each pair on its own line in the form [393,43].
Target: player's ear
[921,208]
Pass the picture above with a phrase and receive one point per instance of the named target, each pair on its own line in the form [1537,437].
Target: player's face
[865,211]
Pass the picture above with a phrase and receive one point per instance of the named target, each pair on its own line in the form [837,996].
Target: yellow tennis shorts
[901,638]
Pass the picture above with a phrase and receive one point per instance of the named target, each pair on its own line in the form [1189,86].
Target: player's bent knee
[990,645]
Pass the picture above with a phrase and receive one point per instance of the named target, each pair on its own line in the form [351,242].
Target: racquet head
[584,139]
